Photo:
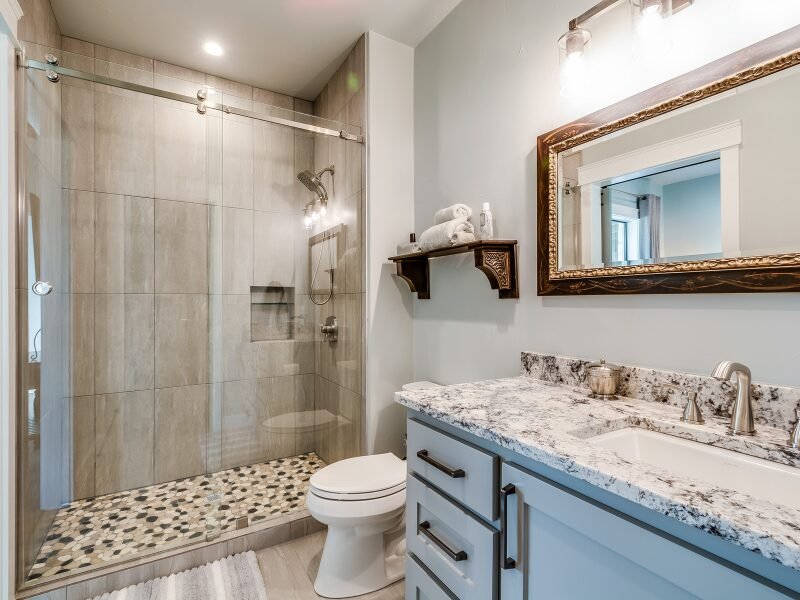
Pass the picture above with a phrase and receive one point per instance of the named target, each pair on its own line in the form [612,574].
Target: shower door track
[199,103]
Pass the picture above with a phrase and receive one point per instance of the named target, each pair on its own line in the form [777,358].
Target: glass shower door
[43,325]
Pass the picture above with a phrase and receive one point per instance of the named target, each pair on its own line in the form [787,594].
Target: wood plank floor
[289,570]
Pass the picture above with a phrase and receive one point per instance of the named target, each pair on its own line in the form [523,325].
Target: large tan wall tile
[273,170]
[304,407]
[275,431]
[237,250]
[239,416]
[273,236]
[181,432]
[77,136]
[82,344]
[237,161]
[81,240]
[180,152]
[38,23]
[83,449]
[124,244]
[238,352]
[124,140]
[76,46]
[181,354]
[123,342]
[181,246]
[124,442]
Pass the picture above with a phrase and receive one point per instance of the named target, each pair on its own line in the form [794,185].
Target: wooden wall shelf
[496,258]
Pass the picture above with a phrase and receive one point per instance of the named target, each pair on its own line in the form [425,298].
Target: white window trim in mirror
[725,139]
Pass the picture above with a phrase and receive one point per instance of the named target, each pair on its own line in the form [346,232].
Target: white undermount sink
[725,468]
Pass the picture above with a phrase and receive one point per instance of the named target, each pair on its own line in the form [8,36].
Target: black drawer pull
[505,561]
[454,473]
[425,529]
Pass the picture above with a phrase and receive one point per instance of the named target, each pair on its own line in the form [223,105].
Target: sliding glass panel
[177,384]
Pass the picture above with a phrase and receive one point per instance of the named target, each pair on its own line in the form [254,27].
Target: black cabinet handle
[507,563]
[454,473]
[425,529]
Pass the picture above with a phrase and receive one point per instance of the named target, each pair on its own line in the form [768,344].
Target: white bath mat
[233,578]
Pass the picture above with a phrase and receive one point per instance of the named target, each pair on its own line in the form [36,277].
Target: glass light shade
[651,32]
[572,62]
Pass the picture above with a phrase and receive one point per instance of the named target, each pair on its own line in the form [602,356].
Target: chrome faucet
[742,413]
[794,437]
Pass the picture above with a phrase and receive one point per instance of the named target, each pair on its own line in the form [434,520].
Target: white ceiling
[287,46]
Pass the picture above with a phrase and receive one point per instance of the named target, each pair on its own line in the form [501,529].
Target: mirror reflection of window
[671,214]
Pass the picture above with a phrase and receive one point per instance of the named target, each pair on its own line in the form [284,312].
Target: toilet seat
[360,478]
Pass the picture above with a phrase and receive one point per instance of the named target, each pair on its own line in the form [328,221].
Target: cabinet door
[460,550]
[565,546]
[421,584]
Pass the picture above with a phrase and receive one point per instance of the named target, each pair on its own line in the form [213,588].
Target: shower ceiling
[288,46]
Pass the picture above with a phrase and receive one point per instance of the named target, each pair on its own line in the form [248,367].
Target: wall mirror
[683,188]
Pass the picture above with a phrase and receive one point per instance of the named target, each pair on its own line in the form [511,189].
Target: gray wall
[691,217]
[486,84]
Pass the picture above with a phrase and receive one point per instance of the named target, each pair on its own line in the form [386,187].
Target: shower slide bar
[201,104]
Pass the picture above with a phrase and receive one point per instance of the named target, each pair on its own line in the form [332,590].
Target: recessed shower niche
[272,313]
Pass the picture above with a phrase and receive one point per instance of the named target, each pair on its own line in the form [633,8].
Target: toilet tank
[419,385]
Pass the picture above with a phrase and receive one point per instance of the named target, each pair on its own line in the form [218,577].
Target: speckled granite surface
[773,405]
[548,422]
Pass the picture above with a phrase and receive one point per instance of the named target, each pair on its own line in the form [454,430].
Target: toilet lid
[361,475]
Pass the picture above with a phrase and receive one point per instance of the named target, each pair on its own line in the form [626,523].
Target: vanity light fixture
[572,45]
[307,222]
[213,48]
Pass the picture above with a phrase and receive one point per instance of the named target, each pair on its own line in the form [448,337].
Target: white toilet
[362,500]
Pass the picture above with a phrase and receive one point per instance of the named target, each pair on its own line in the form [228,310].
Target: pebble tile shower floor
[119,526]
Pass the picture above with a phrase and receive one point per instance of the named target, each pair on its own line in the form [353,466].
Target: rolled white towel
[457,211]
[457,231]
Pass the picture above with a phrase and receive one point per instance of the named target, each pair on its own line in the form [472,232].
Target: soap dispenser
[487,223]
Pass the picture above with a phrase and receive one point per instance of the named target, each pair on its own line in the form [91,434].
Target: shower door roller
[42,288]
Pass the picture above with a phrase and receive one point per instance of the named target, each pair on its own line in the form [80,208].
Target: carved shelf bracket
[497,259]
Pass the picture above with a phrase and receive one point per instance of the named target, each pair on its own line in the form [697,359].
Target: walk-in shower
[174,384]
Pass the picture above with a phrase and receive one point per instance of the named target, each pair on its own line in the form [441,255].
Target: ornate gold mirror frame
[775,273]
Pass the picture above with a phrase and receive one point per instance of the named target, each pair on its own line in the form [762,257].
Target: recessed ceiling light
[213,48]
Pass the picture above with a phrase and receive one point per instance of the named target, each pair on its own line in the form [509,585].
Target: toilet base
[358,561]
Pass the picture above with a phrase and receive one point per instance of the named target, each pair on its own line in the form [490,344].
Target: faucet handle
[692,413]
[794,437]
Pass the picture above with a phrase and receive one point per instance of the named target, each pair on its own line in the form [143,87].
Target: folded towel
[410,248]
[450,233]
[457,211]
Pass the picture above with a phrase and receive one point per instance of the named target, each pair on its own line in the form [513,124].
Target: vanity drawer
[467,473]
[457,548]
[421,585]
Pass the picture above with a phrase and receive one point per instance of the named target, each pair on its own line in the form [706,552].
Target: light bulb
[323,209]
[315,217]
[573,76]
[572,46]
[307,221]
[652,42]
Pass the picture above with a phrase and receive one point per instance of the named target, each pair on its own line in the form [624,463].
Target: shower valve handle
[330,329]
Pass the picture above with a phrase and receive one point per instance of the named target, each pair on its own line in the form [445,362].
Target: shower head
[313,182]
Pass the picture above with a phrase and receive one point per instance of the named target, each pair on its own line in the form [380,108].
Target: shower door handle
[42,288]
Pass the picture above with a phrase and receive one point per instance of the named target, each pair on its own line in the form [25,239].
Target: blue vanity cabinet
[558,544]
[485,523]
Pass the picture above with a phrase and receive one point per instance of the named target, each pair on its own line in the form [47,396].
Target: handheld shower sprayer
[313,181]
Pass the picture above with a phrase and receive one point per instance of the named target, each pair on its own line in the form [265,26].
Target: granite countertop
[548,423]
